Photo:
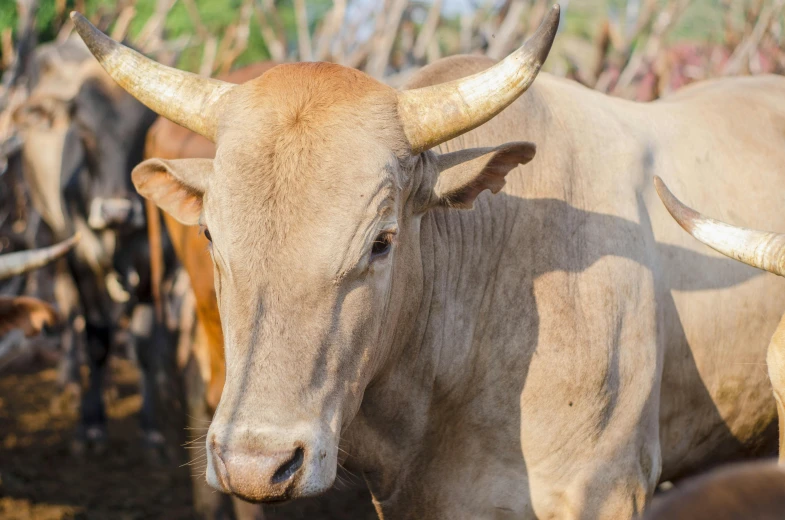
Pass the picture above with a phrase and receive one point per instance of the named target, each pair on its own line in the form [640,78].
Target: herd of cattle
[556,352]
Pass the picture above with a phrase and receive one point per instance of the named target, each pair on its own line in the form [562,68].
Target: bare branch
[65,31]
[241,33]
[151,35]
[7,41]
[123,23]
[276,23]
[25,45]
[536,14]
[748,46]
[303,35]
[508,30]
[208,58]
[645,57]
[383,43]
[467,29]
[352,51]
[330,29]
[434,52]
[275,47]
[428,31]
[196,19]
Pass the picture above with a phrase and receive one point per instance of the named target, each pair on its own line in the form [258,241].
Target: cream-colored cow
[550,354]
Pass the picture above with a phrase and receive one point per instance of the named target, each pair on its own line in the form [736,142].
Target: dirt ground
[41,479]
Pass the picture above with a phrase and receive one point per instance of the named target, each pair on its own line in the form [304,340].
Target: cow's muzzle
[110,213]
[258,470]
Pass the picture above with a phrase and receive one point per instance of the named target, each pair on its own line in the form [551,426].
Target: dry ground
[41,479]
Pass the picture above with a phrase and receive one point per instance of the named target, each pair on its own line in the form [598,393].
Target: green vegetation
[702,21]
[216,15]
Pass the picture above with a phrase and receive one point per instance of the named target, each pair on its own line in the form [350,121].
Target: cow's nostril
[289,467]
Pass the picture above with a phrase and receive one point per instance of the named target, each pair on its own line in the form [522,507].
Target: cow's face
[107,136]
[313,205]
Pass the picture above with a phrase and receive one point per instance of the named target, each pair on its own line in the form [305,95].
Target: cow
[548,354]
[754,490]
[759,249]
[24,316]
[82,135]
[203,387]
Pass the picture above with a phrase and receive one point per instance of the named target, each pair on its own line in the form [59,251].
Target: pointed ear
[175,186]
[465,174]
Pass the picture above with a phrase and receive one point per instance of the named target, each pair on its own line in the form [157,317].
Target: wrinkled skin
[550,354]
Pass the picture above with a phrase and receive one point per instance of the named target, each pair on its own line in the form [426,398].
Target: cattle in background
[23,316]
[43,122]
[82,135]
[751,491]
[550,354]
[759,249]
[204,379]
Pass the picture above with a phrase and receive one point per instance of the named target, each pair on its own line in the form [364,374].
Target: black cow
[111,266]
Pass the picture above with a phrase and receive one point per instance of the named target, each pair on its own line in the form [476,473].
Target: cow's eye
[207,234]
[382,244]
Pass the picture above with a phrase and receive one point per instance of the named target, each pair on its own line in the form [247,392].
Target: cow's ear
[465,174]
[176,186]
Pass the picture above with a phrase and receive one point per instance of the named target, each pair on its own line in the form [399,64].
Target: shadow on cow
[564,252]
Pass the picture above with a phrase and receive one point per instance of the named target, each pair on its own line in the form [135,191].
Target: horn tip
[684,215]
[542,40]
[81,24]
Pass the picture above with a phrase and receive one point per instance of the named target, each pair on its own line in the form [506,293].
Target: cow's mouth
[276,500]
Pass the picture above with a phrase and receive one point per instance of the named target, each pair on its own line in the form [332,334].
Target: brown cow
[22,313]
[751,491]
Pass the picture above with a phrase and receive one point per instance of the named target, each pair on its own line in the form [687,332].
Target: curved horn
[756,248]
[187,99]
[435,114]
[12,264]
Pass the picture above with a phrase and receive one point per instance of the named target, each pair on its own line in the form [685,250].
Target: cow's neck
[429,381]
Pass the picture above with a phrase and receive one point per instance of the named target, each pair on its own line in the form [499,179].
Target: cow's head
[83,133]
[104,143]
[313,205]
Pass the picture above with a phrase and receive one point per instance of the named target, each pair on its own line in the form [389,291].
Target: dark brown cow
[739,492]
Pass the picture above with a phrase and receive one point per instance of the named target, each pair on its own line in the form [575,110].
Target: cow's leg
[93,427]
[590,422]
[73,344]
[775,360]
[145,338]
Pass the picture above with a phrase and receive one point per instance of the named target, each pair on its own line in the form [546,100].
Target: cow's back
[598,261]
